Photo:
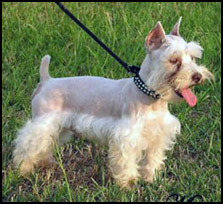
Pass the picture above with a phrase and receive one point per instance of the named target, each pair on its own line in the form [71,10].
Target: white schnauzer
[130,115]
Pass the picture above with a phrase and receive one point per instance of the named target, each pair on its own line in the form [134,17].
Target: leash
[129,68]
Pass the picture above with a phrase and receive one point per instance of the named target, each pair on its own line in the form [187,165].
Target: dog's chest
[160,124]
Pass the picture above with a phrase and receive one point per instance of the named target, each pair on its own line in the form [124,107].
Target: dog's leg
[35,141]
[153,161]
[123,164]
[66,136]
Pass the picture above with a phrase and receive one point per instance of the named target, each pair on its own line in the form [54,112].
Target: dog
[130,115]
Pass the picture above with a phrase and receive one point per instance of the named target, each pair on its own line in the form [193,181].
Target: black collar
[144,88]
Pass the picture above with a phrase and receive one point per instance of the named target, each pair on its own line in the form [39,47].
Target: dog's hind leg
[34,142]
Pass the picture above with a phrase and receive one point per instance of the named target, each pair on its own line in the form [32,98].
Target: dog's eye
[174,61]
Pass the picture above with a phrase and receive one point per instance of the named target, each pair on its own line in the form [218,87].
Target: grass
[31,30]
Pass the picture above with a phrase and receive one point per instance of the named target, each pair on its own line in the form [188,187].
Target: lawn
[32,30]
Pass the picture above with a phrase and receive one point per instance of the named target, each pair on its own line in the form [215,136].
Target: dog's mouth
[177,92]
[188,95]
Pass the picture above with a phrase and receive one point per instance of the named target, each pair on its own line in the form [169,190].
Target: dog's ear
[176,28]
[156,37]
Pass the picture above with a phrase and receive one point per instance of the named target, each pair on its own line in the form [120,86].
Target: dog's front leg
[123,164]
[155,154]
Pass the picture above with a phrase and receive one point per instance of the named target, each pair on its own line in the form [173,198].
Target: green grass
[31,30]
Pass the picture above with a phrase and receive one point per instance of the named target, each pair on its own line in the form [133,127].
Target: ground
[32,30]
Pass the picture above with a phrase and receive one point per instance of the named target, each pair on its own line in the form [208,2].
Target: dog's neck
[144,88]
[143,77]
[144,102]
[144,99]
[144,71]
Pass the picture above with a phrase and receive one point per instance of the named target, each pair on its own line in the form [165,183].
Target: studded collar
[144,88]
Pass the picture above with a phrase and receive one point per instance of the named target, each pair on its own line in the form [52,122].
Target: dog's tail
[44,66]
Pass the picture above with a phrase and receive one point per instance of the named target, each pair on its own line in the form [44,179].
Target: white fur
[137,128]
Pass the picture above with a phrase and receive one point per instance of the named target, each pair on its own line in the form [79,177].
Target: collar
[144,88]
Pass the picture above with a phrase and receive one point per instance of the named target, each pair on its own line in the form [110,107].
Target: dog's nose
[196,77]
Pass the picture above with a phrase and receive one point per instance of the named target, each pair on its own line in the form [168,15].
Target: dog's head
[171,65]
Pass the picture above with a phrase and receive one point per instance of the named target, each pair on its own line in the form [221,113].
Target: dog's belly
[92,128]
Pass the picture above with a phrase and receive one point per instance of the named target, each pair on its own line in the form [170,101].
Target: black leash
[129,68]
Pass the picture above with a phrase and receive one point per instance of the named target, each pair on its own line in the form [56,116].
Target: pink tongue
[189,97]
